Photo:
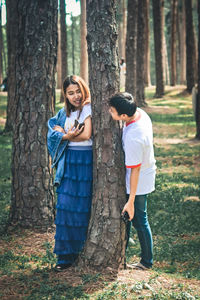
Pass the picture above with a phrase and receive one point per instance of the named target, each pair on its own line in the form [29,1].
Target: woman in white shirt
[75,189]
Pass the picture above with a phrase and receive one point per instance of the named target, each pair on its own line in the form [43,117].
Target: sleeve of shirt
[86,111]
[133,153]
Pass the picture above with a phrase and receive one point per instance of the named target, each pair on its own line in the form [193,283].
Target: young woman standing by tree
[74,169]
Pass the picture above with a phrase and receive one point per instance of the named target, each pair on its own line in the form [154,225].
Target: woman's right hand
[72,133]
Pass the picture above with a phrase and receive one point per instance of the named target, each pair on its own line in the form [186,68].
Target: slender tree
[147,47]
[84,55]
[59,64]
[12,39]
[73,44]
[1,50]
[198,94]
[165,63]
[105,245]
[158,25]
[124,28]
[140,65]
[174,8]
[191,63]
[120,27]
[131,46]
[182,30]
[32,201]
[63,43]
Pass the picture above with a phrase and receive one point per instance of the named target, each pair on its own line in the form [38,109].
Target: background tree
[73,44]
[32,201]
[166,77]
[174,8]
[147,46]
[59,64]
[1,49]
[63,43]
[12,39]
[182,33]
[191,63]
[84,54]
[131,46]
[158,25]
[140,62]
[198,94]
[105,245]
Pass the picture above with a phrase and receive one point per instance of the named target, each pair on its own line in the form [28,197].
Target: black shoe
[62,267]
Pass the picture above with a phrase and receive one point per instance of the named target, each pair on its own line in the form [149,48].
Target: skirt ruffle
[73,205]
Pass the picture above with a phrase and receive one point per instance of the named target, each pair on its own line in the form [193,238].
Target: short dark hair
[123,103]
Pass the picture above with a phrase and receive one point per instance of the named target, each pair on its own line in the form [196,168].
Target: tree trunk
[174,5]
[131,46]
[147,47]
[105,245]
[12,39]
[59,64]
[73,45]
[190,47]
[182,45]
[120,28]
[165,63]
[1,50]
[84,55]
[4,41]
[198,94]
[158,25]
[140,75]
[124,29]
[32,201]
[63,44]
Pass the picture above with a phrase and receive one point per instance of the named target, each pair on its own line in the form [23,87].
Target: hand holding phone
[78,125]
[125,217]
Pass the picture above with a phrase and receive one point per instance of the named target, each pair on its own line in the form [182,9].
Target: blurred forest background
[171,10]
[148,48]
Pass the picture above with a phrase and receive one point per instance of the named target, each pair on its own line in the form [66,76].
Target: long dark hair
[74,79]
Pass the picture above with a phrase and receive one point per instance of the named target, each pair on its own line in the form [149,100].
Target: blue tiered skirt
[73,204]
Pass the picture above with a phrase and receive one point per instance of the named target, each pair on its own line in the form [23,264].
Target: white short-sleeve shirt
[86,112]
[137,142]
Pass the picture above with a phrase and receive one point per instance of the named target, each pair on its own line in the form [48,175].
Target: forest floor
[26,257]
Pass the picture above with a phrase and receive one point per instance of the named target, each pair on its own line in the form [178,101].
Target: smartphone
[81,125]
[77,124]
[125,217]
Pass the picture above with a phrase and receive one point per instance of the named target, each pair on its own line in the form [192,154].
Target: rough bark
[105,245]
[131,46]
[174,7]
[84,54]
[140,74]
[198,94]
[158,26]
[191,65]
[12,39]
[32,201]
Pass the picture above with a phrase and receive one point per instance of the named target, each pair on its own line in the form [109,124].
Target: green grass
[174,210]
